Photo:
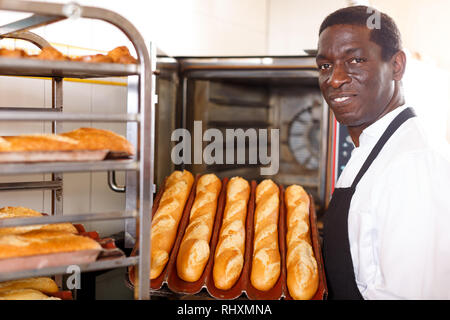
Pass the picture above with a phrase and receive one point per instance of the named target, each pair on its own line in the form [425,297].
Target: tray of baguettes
[234,238]
[49,245]
[38,288]
[82,144]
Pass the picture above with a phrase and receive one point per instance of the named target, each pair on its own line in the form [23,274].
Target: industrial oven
[258,93]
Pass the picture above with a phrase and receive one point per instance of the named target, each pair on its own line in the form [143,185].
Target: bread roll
[37,142]
[16,53]
[25,294]
[50,53]
[229,255]
[21,212]
[121,55]
[194,248]
[266,255]
[99,139]
[43,242]
[167,217]
[43,284]
[302,273]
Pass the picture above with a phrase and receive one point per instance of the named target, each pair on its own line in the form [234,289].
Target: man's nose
[339,76]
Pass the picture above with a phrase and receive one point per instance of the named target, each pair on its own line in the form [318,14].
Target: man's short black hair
[387,36]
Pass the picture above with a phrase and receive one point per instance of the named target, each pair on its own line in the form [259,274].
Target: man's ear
[398,61]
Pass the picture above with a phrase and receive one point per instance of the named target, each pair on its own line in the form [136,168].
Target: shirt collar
[372,133]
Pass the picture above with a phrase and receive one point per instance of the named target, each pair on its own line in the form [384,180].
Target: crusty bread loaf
[266,255]
[37,142]
[15,53]
[167,217]
[194,250]
[121,55]
[99,139]
[22,212]
[43,284]
[50,53]
[25,294]
[229,255]
[43,242]
[302,273]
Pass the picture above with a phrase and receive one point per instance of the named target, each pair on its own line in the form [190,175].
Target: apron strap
[393,126]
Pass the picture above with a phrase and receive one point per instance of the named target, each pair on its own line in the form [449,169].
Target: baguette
[21,212]
[37,142]
[99,139]
[43,284]
[38,242]
[266,255]
[25,294]
[229,255]
[194,248]
[302,273]
[167,217]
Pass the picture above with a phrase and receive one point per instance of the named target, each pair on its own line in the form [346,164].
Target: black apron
[339,271]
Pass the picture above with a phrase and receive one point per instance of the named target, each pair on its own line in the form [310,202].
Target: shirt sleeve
[411,210]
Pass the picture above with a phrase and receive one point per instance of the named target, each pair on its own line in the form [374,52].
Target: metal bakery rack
[140,130]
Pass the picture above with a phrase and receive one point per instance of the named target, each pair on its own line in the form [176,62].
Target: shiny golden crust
[38,142]
[50,53]
[95,58]
[121,55]
[229,255]
[266,255]
[43,284]
[16,53]
[194,248]
[25,294]
[167,217]
[43,242]
[21,212]
[99,139]
[302,272]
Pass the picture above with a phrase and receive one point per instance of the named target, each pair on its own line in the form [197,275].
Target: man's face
[355,82]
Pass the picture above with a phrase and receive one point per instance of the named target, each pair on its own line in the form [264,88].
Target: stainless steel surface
[30,37]
[35,185]
[30,22]
[64,69]
[48,167]
[13,222]
[94,266]
[63,116]
[112,183]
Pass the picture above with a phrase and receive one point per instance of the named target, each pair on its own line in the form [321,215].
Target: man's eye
[324,66]
[357,60]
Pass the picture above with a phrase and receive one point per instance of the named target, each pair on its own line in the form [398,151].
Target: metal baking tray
[48,156]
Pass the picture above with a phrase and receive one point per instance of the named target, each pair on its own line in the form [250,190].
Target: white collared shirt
[399,218]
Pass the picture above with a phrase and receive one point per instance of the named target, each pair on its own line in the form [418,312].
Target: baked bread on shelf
[194,250]
[50,53]
[167,217]
[230,250]
[38,142]
[15,53]
[302,272]
[22,212]
[25,294]
[100,139]
[266,260]
[42,284]
[38,242]
[121,55]
[95,58]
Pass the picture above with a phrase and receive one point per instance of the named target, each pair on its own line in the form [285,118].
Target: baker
[386,230]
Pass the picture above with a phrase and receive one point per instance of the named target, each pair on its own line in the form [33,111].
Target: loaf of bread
[37,142]
[166,219]
[43,284]
[194,250]
[95,58]
[50,53]
[99,139]
[230,250]
[15,53]
[266,255]
[302,273]
[25,294]
[21,212]
[43,242]
[121,55]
